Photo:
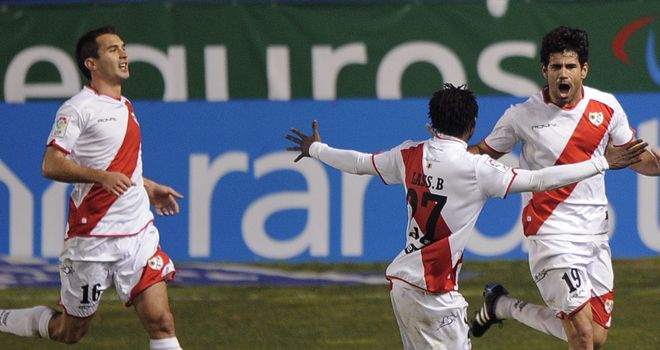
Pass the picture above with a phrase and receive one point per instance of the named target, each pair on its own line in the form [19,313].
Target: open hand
[619,157]
[303,141]
[162,197]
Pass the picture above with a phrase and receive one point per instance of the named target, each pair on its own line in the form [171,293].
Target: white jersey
[551,135]
[101,132]
[446,188]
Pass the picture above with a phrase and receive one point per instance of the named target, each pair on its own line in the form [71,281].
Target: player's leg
[430,321]
[579,330]
[140,281]
[44,322]
[560,271]
[29,322]
[83,284]
[153,309]
[601,275]
[68,329]
[499,305]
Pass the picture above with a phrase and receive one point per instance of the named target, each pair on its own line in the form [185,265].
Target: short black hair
[88,47]
[453,110]
[563,39]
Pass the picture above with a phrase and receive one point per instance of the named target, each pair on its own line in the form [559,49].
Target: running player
[95,144]
[569,254]
[446,187]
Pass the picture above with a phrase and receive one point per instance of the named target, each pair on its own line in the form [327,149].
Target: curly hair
[563,39]
[453,110]
[88,47]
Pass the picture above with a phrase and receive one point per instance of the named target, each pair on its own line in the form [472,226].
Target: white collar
[440,137]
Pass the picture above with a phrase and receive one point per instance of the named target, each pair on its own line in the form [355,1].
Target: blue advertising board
[245,199]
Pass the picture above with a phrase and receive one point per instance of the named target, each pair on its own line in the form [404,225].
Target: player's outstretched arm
[562,175]
[162,197]
[349,161]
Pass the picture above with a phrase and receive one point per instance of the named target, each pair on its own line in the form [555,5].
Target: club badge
[596,118]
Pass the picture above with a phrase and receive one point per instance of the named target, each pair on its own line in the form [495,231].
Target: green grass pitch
[342,317]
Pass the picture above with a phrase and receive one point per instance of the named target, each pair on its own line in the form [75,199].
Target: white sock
[539,317]
[164,344]
[32,322]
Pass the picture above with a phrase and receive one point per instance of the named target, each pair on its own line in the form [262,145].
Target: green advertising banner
[281,51]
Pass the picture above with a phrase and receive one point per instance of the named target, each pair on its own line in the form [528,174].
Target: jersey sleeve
[390,164]
[493,178]
[503,136]
[66,129]
[620,131]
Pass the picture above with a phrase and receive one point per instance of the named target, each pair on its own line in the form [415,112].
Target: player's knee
[599,340]
[67,332]
[68,336]
[583,336]
[162,324]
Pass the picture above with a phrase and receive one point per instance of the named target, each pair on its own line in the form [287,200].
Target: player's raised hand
[303,141]
[619,157]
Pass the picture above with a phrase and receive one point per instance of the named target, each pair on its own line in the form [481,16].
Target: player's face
[565,75]
[112,64]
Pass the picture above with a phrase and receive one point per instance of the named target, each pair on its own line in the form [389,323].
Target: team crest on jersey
[596,118]
[61,123]
[497,165]
[155,263]
[609,305]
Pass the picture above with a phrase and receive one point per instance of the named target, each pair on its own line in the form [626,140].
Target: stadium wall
[246,201]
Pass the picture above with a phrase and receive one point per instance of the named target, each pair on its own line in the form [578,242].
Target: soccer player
[95,144]
[569,255]
[446,187]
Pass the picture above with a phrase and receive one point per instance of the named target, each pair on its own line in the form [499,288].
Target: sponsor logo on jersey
[543,126]
[105,120]
[596,118]
[61,123]
[155,263]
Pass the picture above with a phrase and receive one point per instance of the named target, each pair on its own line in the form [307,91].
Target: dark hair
[563,39]
[453,110]
[88,47]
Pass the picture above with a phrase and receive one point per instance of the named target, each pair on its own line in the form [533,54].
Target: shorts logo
[155,263]
[66,267]
[596,118]
[61,123]
[609,305]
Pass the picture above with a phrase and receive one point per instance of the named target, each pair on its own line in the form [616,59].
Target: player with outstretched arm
[567,228]
[446,188]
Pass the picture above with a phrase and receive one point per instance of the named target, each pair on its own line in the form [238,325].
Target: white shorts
[570,275]
[140,264]
[430,321]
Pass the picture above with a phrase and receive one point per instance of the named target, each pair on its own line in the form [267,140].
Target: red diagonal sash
[581,146]
[97,202]
[436,257]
